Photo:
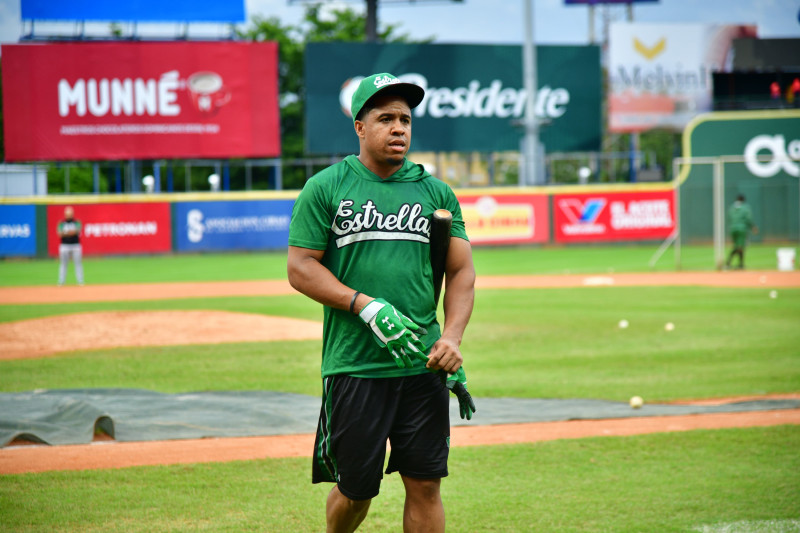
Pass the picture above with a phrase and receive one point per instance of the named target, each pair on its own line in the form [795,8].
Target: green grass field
[548,343]
[488,261]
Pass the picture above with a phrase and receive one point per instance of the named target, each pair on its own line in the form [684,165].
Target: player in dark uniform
[358,244]
[69,231]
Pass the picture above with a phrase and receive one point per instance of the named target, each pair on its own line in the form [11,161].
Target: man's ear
[359,127]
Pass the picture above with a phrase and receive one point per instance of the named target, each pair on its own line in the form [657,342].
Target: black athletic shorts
[357,417]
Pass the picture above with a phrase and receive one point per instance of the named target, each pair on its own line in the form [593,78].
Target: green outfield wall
[754,153]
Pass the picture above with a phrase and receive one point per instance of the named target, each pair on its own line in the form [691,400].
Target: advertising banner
[768,140]
[17,230]
[138,11]
[241,225]
[762,149]
[116,228]
[592,2]
[474,95]
[506,219]
[660,74]
[133,100]
[623,216]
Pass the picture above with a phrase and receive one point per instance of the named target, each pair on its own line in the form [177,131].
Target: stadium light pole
[372,21]
[531,139]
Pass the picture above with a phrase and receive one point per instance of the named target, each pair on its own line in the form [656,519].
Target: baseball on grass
[623,324]
[773,294]
[669,326]
[636,402]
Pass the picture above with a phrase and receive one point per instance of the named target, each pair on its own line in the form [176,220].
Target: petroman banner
[109,229]
[101,101]
[474,96]
[661,73]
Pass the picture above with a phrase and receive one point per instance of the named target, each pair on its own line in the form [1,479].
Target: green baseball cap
[384,83]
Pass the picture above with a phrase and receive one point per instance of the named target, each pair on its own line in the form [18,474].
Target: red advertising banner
[116,228]
[623,216]
[505,219]
[106,101]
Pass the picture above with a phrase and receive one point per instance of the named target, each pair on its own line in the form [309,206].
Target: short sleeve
[311,218]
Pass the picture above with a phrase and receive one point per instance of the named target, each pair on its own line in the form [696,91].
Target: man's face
[385,131]
[68,213]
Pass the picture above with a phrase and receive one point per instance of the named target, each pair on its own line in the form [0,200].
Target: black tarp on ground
[70,416]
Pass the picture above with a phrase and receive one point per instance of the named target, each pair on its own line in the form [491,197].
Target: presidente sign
[660,74]
[474,95]
[101,101]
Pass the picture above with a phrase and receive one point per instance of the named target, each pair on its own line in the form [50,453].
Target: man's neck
[382,171]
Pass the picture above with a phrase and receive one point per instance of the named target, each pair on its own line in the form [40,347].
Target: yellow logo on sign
[649,52]
[503,222]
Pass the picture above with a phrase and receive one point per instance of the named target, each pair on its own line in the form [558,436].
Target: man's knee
[335,497]
[423,489]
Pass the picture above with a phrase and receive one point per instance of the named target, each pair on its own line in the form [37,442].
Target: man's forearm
[459,299]
[310,277]
[459,290]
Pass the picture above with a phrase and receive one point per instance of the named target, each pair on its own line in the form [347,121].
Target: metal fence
[475,169]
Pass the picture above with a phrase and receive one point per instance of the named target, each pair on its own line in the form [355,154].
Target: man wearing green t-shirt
[359,245]
[740,224]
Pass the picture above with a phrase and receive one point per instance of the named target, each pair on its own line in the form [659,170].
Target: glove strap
[370,310]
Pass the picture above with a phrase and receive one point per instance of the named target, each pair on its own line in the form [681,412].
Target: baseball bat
[441,222]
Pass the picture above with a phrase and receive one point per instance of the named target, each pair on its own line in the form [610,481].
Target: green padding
[70,416]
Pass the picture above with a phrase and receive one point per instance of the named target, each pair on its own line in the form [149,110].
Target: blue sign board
[232,225]
[17,230]
[138,11]
[568,2]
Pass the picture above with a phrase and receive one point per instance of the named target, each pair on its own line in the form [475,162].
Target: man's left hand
[457,383]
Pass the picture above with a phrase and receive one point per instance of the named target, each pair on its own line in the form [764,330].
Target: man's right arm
[309,276]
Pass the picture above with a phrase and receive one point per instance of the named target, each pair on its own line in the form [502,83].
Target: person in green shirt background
[740,224]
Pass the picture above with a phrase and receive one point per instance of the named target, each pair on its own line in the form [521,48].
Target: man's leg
[77,258]
[343,514]
[63,256]
[424,511]
[731,256]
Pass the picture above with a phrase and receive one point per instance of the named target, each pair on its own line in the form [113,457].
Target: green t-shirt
[740,217]
[375,235]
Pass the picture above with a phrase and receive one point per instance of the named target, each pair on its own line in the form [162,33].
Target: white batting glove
[395,331]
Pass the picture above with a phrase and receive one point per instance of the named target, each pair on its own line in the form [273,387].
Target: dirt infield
[47,336]
[166,291]
[26,339]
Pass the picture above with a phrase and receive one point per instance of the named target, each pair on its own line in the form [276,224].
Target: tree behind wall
[344,25]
